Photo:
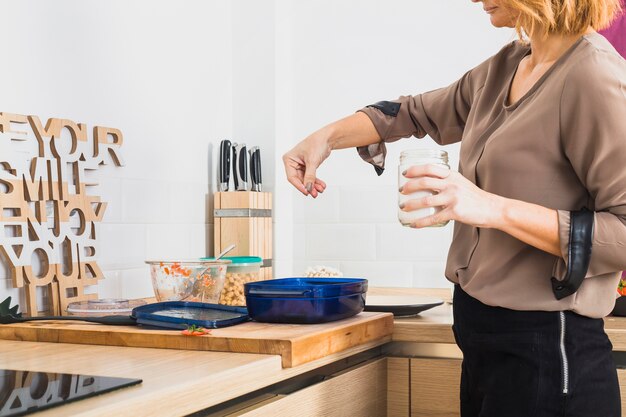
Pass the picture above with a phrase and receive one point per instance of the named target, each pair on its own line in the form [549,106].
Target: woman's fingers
[428,170]
[435,200]
[319,185]
[295,170]
[301,164]
[423,183]
[310,178]
[295,173]
[437,218]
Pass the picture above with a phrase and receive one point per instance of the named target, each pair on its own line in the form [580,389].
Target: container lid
[306,287]
[104,306]
[204,261]
[180,314]
[240,260]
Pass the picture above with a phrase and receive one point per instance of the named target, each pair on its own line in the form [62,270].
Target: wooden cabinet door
[357,391]
[398,387]
[435,387]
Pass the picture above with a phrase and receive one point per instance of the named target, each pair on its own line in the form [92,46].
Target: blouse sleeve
[593,136]
[440,113]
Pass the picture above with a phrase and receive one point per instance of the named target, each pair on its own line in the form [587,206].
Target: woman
[542,126]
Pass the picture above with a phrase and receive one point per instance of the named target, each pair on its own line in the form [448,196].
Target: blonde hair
[566,17]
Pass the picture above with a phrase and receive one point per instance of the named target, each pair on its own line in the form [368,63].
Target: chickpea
[232,293]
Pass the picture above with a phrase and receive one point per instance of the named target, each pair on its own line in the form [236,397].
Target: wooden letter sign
[49,223]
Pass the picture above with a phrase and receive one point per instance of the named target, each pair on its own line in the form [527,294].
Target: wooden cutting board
[295,343]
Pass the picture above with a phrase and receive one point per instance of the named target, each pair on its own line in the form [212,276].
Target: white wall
[178,76]
[162,72]
[350,53]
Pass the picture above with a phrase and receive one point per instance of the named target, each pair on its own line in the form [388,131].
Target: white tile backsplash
[136,283]
[201,240]
[188,202]
[168,241]
[110,191]
[380,274]
[145,201]
[323,209]
[368,204]
[430,275]
[340,242]
[110,286]
[299,237]
[122,245]
[396,242]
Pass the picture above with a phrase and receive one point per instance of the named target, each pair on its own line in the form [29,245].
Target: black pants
[533,363]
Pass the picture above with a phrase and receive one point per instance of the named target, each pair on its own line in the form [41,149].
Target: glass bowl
[200,281]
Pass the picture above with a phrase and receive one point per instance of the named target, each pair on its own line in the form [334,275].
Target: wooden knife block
[245,219]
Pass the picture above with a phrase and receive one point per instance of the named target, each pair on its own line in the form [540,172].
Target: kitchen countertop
[179,382]
[434,325]
[175,382]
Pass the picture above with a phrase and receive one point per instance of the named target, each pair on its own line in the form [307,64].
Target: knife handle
[255,168]
[240,166]
[224,174]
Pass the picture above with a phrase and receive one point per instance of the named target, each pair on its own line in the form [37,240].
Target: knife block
[245,219]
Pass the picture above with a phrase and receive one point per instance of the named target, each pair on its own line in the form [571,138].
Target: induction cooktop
[24,392]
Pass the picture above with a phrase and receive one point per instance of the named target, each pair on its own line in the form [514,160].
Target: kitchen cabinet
[357,391]
[423,387]
[398,387]
[435,387]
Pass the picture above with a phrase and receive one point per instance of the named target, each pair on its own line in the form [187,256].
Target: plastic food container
[240,271]
[305,300]
[103,307]
[200,281]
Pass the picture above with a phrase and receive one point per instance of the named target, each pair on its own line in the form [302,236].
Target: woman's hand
[459,199]
[303,160]
[462,201]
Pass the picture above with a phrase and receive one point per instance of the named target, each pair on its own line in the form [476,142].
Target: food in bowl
[232,295]
[322,271]
[242,270]
[199,281]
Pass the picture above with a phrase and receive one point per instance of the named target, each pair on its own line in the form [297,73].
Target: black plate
[401,305]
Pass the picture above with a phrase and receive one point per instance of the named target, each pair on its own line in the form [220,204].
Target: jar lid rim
[424,152]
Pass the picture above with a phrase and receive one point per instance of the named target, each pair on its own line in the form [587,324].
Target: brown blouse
[562,146]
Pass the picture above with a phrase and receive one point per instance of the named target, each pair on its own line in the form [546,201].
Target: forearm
[350,132]
[533,224]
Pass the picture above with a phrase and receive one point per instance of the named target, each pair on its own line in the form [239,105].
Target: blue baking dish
[305,300]
[180,314]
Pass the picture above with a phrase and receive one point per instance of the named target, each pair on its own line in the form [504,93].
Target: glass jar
[240,271]
[411,158]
